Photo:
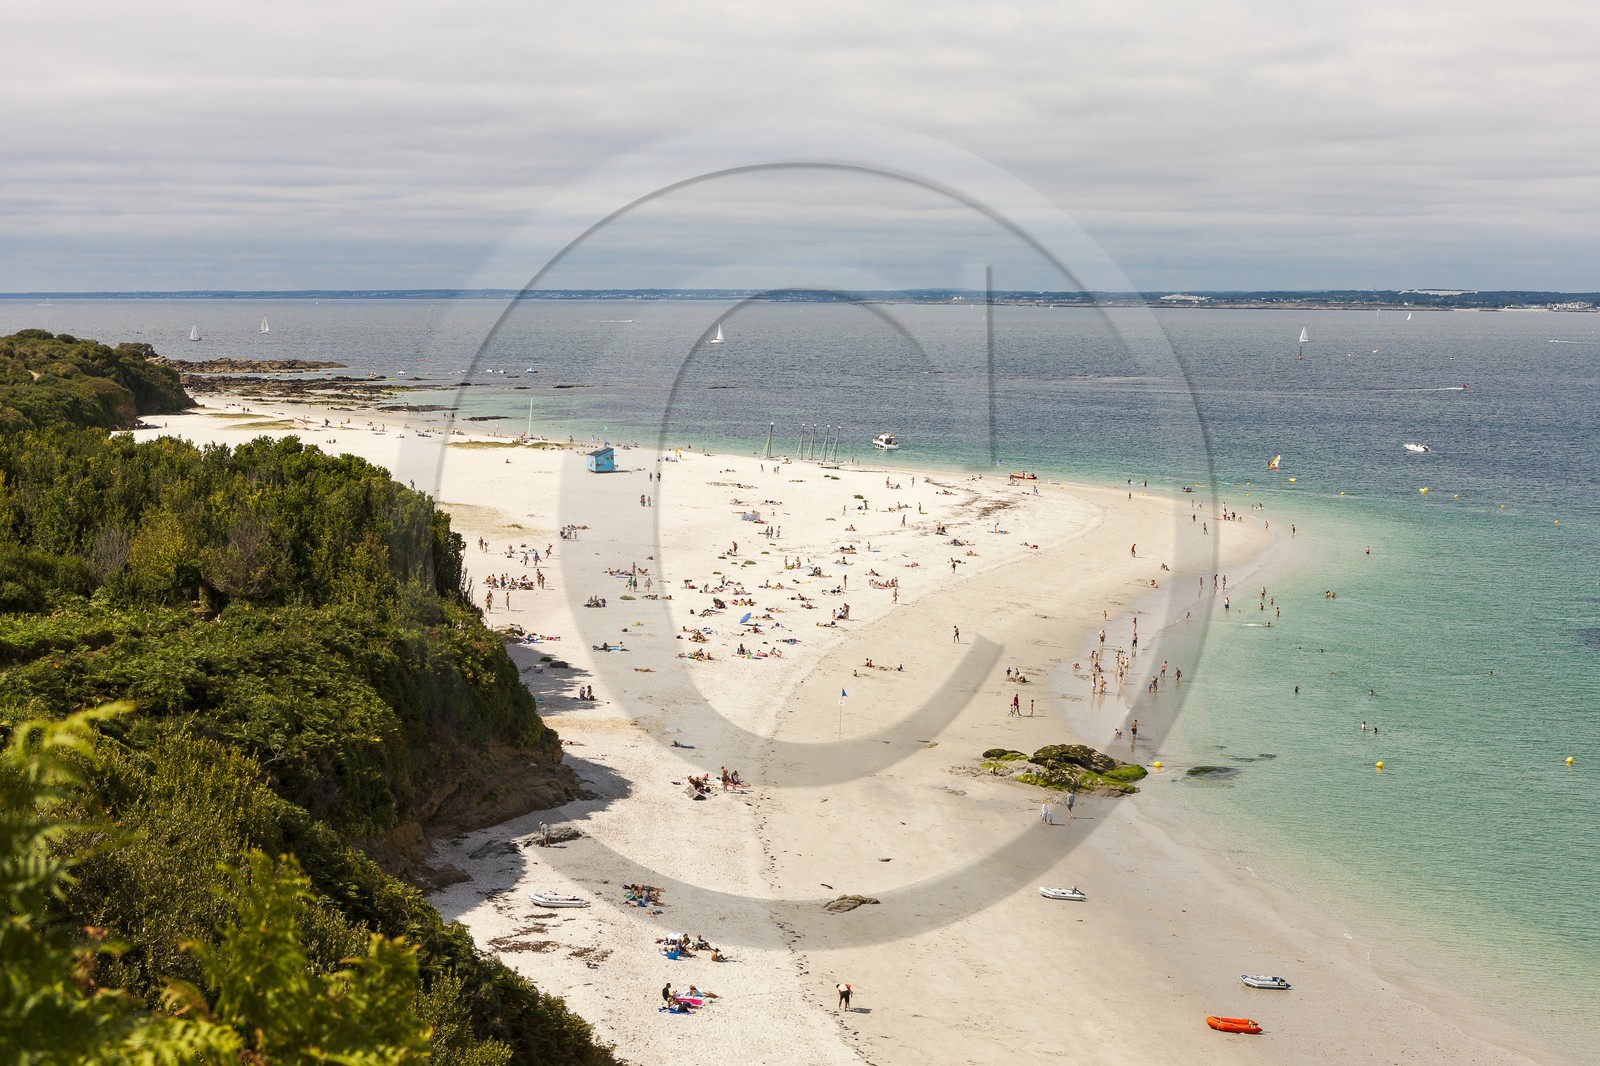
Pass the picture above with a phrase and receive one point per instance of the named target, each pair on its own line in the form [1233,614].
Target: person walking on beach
[1016,706]
[957,639]
[1044,813]
[1072,801]
[843,989]
[1134,730]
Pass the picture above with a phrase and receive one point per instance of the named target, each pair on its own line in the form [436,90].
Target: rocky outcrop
[1064,768]
[1061,756]
[847,903]
[244,366]
[506,782]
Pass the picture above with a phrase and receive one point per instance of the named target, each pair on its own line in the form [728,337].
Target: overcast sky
[1233,144]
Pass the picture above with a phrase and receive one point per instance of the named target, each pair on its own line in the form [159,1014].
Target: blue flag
[842,695]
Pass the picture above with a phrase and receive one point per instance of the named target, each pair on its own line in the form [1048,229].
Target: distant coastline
[1199,299]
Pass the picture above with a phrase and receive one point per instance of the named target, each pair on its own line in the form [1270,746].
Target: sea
[1449,598]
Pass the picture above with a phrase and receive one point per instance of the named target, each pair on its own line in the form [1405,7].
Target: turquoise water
[1472,853]
[1474,623]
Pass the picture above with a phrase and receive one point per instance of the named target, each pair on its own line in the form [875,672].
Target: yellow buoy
[1380,764]
[1569,761]
[1157,764]
[1291,481]
[1423,490]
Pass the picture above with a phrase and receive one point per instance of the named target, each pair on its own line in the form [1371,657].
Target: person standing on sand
[1134,730]
[666,993]
[1044,813]
[1134,551]
[844,995]
[1072,801]
[957,639]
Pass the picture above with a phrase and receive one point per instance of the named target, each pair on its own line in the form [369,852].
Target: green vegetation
[305,676]
[258,998]
[49,380]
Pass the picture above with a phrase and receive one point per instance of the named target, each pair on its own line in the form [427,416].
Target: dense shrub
[303,668]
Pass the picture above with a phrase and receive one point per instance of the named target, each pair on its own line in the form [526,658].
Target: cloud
[1238,144]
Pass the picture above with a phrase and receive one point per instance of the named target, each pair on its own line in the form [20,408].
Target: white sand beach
[863,779]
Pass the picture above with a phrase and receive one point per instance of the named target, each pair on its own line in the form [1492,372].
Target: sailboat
[194,333]
[1305,339]
[718,338]
[1408,316]
[263,328]
[1273,465]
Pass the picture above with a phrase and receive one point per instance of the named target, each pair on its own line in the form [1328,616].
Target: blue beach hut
[602,461]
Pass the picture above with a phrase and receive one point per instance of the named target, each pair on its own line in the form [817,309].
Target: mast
[767,452]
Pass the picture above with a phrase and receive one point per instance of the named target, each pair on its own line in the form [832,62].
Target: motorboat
[552,899]
[1072,893]
[1256,980]
[1233,1025]
[1418,448]
[885,441]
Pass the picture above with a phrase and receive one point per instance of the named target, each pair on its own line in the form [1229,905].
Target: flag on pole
[842,695]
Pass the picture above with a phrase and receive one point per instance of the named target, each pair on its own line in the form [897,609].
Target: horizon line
[1437,296]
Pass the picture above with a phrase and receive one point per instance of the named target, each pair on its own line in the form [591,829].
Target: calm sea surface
[1470,635]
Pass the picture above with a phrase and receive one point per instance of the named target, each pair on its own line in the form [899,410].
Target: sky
[1239,144]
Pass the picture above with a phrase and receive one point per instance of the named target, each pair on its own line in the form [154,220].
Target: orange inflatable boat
[1233,1025]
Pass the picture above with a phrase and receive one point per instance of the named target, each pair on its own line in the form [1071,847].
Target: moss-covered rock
[1004,754]
[1080,755]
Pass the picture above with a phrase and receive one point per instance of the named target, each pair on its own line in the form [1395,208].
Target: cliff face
[506,782]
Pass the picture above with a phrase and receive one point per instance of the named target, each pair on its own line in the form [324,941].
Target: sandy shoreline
[962,961]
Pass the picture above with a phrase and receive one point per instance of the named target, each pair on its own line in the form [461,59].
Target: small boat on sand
[1256,980]
[1062,893]
[1233,1025]
[552,899]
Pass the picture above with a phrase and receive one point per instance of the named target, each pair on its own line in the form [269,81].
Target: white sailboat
[1305,339]
[1408,316]
[263,328]
[718,338]
[194,333]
